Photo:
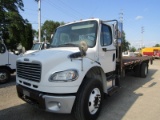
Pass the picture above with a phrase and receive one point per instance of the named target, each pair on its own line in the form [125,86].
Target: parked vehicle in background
[7,63]
[127,53]
[84,63]
[38,46]
[132,54]
[151,51]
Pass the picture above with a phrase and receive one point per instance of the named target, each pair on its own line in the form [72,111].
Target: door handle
[113,57]
[104,49]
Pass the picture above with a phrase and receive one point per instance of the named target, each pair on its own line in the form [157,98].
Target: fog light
[53,106]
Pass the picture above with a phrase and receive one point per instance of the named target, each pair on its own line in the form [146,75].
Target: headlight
[68,75]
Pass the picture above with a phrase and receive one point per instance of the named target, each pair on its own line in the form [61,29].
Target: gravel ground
[138,99]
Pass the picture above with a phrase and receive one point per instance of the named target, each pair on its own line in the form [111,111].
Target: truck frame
[83,64]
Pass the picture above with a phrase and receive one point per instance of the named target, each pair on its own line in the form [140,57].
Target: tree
[48,28]
[12,25]
[125,43]
[157,45]
[9,10]
[14,31]
[132,49]
[28,41]
[7,6]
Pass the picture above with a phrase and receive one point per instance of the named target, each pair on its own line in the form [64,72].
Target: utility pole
[142,31]
[121,18]
[121,21]
[120,70]
[39,20]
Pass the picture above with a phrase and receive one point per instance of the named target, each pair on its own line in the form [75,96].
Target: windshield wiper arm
[67,44]
[52,46]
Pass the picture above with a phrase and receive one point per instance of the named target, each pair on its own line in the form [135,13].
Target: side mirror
[2,48]
[119,34]
[119,42]
[83,48]
[52,36]
[118,30]
[23,50]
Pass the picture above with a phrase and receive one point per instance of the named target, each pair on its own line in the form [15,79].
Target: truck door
[107,51]
[3,55]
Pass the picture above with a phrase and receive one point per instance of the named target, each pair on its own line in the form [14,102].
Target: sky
[138,15]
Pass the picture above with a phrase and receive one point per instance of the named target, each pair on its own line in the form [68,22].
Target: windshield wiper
[52,46]
[67,44]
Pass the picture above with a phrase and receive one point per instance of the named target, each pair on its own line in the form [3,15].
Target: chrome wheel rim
[3,76]
[94,101]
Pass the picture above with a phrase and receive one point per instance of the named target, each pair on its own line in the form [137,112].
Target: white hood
[50,54]
[54,55]
[29,51]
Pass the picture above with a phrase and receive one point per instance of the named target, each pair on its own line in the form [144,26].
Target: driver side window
[106,35]
[2,49]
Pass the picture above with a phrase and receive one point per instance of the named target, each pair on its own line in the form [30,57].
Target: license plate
[26,93]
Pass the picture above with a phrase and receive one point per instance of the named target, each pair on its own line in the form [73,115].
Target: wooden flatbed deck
[127,61]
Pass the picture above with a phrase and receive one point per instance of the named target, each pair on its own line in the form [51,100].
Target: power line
[62,9]
[29,9]
[74,10]
[26,12]
[29,13]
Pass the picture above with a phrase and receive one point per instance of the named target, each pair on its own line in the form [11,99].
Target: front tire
[4,76]
[89,100]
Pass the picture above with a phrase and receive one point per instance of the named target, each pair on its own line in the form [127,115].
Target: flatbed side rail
[128,61]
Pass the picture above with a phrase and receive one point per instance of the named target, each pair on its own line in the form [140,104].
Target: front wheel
[4,76]
[89,100]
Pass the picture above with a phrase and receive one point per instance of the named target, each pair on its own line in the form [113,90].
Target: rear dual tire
[144,70]
[141,70]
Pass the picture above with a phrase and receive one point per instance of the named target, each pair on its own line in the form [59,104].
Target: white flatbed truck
[7,63]
[84,63]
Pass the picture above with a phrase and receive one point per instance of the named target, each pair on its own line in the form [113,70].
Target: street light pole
[142,30]
[39,20]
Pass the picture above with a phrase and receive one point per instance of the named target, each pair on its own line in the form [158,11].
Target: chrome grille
[29,71]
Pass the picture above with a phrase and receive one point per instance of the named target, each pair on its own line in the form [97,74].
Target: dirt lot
[138,99]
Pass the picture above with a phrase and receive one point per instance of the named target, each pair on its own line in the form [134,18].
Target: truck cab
[7,63]
[73,75]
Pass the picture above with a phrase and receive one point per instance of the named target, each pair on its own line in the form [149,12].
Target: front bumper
[48,102]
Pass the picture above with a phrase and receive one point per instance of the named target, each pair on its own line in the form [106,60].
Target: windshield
[36,46]
[71,35]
